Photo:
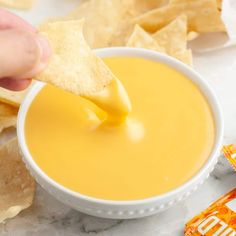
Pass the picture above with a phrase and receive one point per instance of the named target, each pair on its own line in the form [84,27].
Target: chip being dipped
[73,66]
[17,187]
[20,4]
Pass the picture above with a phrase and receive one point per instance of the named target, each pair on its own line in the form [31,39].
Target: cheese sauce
[166,139]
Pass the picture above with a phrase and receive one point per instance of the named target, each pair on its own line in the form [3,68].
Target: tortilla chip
[73,66]
[122,34]
[102,18]
[12,98]
[7,122]
[203,16]
[7,110]
[17,187]
[141,6]
[141,39]
[185,56]
[173,37]
[21,4]
[8,116]
[7,135]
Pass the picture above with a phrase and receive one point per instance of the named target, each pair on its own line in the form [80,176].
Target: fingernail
[45,48]
[45,53]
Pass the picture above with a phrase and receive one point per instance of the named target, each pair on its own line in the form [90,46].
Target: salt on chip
[203,16]
[141,39]
[21,4]
[11,97]
[73,66]
[17,187]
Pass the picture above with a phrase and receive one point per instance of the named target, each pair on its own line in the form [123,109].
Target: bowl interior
[151,55]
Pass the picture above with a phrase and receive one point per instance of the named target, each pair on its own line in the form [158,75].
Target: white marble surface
[49,217]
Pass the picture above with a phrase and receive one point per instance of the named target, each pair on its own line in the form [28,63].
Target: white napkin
[215,41]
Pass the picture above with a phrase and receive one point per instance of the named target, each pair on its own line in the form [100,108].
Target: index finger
[9,20]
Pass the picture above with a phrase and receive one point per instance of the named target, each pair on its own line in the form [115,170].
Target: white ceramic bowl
[136,208]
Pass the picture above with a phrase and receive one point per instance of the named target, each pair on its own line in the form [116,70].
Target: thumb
[22,53]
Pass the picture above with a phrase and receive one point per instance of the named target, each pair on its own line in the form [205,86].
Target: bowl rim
[146,54]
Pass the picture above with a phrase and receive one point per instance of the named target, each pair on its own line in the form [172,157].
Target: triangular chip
[173,37]
[17,187]
[21,4]
[11,97]
[101,19]
[203,16]
[73,66]
[141,39]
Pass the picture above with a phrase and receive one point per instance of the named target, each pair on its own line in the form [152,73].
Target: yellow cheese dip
[166,139]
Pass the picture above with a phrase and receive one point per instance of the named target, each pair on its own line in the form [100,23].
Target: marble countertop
[49,217]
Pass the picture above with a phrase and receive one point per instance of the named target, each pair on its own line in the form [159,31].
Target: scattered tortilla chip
[7,135]
[122,34]
[17,187]
[173,37]
[73,66]
[141,39]
[7,122]
[203,16]
[12,98]
[21,4]
[141,6]
[102,18]
[7,110]
[8,116]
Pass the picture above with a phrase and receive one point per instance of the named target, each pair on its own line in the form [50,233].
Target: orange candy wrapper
[219,219]
[230,153]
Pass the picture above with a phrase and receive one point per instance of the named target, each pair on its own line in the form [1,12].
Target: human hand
[23,52]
